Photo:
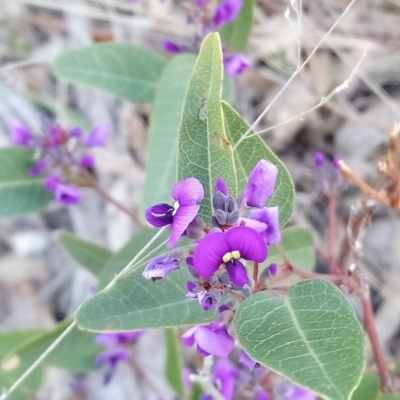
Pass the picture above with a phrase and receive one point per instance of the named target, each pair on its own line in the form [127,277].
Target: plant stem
[369,321]
[25,375]
[255,273]
[332,232]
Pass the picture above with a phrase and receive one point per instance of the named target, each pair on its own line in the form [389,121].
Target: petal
[172,47]
[98,137]
[159,215]
[188,192]
[67,194]
[220,185]
[238,273]
[261,184]
[262,395]
[250,243]
[246,360]
[228,388]
[107,339]
[207,257]
[160,267]
[255,224]
[87,161]
[180,221]
[188,337]
[218,343]
[224,369]
[269,216]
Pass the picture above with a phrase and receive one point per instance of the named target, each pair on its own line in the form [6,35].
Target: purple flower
[111,357]
[76,132]
[38,168]
[319,159]
[262,395]
[160,267]
[220,185]
[210,339]
[98,137]
[209,299]
[67,194]
[229,248]
[227,375]
[328,174]
[51,182]
[186,372]
[261,184]
[87,161]
[270,217]
[236,64]
[55,137]
[21,135]
[227,11]
[247,361]
[117,338]
[187,194]
[299,393]
[172,47]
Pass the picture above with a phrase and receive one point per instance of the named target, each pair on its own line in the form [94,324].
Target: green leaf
[14,339]
[388,397]
[135,303]
[298,245]
[174,363]
[247,155]
[87,254]
[368,389]
[311,336]
[128,72]
[203,149]
[20,194]
[235,34]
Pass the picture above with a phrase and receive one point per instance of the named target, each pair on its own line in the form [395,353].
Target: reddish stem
[255,273]
[332,232]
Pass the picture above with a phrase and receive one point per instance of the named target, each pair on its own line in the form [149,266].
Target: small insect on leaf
[203,109]
[218,140]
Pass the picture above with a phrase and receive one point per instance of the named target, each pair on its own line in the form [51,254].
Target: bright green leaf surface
[389,397]
[128,72]
[20,193]
[174,363]
[248,153]
[89,255]
[14,339]
[203,149]
[235,34]
[368,389]
[311,336]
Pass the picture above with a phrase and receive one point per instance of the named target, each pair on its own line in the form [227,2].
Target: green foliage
[20,194]
[311,336]
[388,397]
[87,254]
[236,34]
[174,363]
[203,149]
[368,389]
[247,155]
[128,72]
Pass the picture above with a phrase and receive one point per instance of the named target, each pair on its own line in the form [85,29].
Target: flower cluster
[61,156]
[328,173]
[226,12]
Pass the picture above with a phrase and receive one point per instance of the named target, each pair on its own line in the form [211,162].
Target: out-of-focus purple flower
[117,338]
[21,134]
[270,217]
[206,397]
[328,174]
[226,375]
[335,163]
[261,184]
[186,372]
[67,194]
[227,11]
[160,267]
[229,248]
[111,357]
[236,64]
[76,132]
[38,168]
[210,339]
[55,137]
[187,194]
[262,395]
[51,182]
[97,137]
[319,159]
[299,393]
[172,47]
[247,361]
[87,161]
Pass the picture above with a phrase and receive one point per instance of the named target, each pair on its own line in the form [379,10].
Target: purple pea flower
[247,361]
[38,168]
[261,184]
[229,248]
[226,375]
[111,357]
[76,132]
[299,393]
[220,185]
[236,64]
[270,217]
[21,135]
[209,299]
[210,339]
[117,338]
[97,137]
[172,47]
[67,194]
[87,161]
[187,194]
[51,182]
[227,11]
[262,395]
[319,159]
[160,267]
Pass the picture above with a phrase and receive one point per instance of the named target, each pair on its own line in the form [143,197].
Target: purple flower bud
[236,64]
[67,194]
[209,300]
[247,361]
[87,161]
[172,47]
[227,11]
[200,3]
[56,136]
[51,182]
[76,132]
[34,171]
[111,357]
[335,163]
[220,186]
[98,137]
[160,267]
[21,135]
[273,269]
[261,184]
[299,393]
[38,168]
[319,159]
[262,395]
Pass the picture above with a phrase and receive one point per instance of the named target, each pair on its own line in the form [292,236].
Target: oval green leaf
[311,336]
[247,155]
[174,362]
[128,72]
[368,389]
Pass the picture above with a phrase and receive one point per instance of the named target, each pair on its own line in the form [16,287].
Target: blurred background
[355,75]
